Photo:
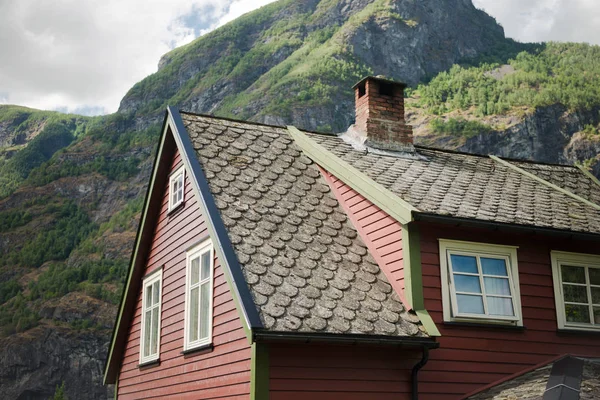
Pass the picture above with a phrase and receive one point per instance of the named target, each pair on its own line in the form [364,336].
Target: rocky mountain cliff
[73,187]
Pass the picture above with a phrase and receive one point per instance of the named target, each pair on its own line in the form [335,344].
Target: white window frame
[180,172]
[197,251]
[149,281]
[577,260]
[450,308]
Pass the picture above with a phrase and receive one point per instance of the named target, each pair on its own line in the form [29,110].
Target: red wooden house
[277,264]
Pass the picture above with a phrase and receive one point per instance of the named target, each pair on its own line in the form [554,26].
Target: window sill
[577,332]
[176,209]
[481,325]
[206,348]
[149,364]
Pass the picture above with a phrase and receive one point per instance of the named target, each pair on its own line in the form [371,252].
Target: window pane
[194,315]
[156,292]
[147,324]
[577,313]
[597,315]
[467,283]
[594,276]
[464,264]
[154,334]
[204,303]
[148,296]
[573,274]
[469,304]
[497,286]
[575,294]
[206,265]
[596,295]
[195,271]
[493,266]
[500,306]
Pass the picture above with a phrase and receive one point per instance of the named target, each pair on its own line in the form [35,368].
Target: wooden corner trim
[373,191]
[545,182]
[259,378]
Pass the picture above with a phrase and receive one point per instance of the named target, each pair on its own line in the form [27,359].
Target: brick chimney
[380,114]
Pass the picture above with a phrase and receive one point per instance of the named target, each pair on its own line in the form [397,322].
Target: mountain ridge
[67,225]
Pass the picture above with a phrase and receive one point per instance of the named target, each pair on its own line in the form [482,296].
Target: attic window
[176,188]
[480,283]
[385,89]
[362,90]
[577,290]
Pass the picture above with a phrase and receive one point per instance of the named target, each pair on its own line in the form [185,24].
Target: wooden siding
[381,233]
[325,372]
[472,357]
[223,372]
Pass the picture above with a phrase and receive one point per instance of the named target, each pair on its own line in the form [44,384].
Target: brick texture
[380,115]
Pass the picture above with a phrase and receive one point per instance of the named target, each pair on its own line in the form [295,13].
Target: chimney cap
[379,78]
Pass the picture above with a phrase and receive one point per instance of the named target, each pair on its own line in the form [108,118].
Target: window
[480,283]
[176,188]
[151,305]
[199,293]
[576,290]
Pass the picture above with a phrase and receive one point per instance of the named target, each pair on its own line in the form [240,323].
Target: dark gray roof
[306,266]
[532,385]
[476,187]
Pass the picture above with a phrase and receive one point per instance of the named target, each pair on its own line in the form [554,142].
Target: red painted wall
[222,373]
[324,372]
[381,233]
[469,357]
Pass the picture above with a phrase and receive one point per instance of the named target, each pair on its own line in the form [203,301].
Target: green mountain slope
[72,187]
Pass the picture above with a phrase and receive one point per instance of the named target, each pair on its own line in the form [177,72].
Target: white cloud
[85,54]
[547,20]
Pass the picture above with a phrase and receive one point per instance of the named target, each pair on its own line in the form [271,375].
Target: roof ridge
[242,121]
[545,182]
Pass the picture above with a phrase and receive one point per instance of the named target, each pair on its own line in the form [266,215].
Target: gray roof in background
[476,187]
[306,266]
[532,385]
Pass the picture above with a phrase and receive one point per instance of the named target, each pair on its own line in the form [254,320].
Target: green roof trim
[413,276]
[135,252]
[259,379]
[545,182]
[390,203]
[373,191]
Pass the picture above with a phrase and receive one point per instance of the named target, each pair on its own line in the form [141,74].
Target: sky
[82,56]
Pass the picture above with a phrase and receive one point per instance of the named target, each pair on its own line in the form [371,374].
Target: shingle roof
[476,187]
[532,385]
[306,266]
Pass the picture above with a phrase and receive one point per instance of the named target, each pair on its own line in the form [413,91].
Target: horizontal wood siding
[469,357]
[221,373]
[381,233]
[326,372]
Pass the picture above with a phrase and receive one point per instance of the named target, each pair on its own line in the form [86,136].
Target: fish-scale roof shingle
[307,268]
[476,187]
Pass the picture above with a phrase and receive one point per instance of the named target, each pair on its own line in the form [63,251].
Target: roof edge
[241,292]
[108,378]
[344,338]
[448,219]
[373,191]
[515,375]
